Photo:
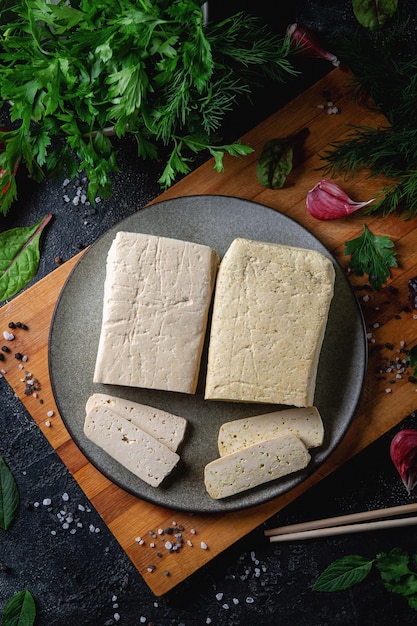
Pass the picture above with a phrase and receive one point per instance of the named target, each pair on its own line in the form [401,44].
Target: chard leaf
[343,573]
[9,496]
[277,159]
[20,610]
[372,14]
[19,256]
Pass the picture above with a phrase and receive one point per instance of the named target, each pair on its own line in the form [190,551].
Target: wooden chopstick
[344,524]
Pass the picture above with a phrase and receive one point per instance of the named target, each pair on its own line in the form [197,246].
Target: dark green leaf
[9,497]
[343,574]
[373,14]
[276,160]
[397,575]
[412,357]
[372,255]
[19,256]
[20,610]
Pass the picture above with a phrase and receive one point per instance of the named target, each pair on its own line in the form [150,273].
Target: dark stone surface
[85,578]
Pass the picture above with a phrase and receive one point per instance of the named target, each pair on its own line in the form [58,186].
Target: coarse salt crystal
[203,545]
[65,497]
[8,336]
[50,413]
[46,501]
[47,423]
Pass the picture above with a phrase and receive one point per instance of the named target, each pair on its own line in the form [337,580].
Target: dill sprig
[385,75]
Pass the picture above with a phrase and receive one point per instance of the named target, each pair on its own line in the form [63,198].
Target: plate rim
[232,504]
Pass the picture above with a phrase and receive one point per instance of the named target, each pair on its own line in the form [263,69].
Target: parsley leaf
[397,575]
[372,255]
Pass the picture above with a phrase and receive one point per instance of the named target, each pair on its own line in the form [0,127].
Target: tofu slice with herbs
[305,423]
[255,465]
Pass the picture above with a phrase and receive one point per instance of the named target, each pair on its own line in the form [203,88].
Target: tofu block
[270,314]
[255,465]
[157,295]
[143,455]
[305,423]
[169,429]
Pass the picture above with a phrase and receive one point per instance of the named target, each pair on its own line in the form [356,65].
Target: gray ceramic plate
[214,221]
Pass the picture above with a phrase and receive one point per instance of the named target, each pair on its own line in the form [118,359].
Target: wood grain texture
[389,323]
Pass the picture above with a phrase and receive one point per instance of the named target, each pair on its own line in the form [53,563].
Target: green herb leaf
[19,256]
[397,575]
[276,160]
[343,574]
[20,610]
[9,496]
[373,14]
[372,255]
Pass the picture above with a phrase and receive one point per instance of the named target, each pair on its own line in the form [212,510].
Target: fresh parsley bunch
[72,74]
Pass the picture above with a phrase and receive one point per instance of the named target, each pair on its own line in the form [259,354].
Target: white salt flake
[65,497]
[203,545]
[46,501]
[48,423]
[50,414]
[8,336]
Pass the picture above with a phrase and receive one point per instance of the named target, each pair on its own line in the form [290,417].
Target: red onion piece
[403,451]
[307,42]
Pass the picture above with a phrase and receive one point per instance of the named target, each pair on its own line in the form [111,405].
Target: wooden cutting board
[389,323]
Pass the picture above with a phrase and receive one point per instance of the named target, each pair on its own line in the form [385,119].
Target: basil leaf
[343,573]
[20,610]
[9,496]
[276,160]
[19,256]
[373,14]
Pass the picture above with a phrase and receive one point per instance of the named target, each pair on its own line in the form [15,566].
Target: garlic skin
[305,40]
[403,452]
[328,201]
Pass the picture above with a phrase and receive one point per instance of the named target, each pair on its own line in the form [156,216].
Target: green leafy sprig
[74,74]
[385,77]
[20,610]
[394,567]
[9,497]
[372,255]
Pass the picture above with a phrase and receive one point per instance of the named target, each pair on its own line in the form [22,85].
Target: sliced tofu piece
[169,429]
[157,295]
[255,465]
[143,455]
[270,314]
[305,423]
